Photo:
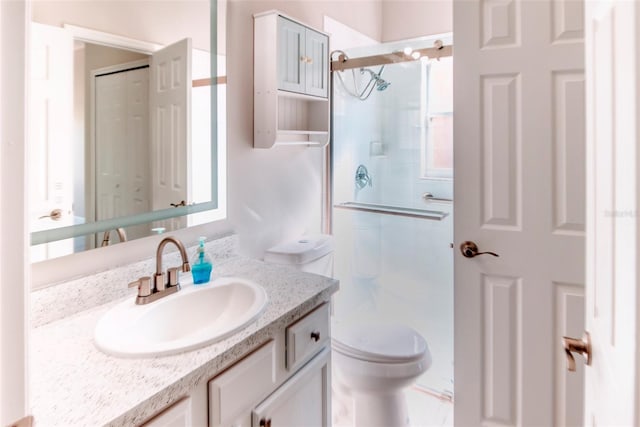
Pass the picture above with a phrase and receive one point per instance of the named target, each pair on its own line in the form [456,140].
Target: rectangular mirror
[124,119]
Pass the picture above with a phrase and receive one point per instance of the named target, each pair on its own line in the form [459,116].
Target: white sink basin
[191,318]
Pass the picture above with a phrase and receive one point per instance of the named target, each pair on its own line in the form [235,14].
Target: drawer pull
[265,423]
[315,336]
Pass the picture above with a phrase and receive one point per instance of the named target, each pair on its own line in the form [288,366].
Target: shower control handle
[469,250]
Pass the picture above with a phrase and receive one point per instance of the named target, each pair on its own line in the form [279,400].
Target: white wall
[406,19]
[157,21]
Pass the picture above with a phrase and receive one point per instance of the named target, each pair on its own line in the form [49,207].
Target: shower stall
[392,194]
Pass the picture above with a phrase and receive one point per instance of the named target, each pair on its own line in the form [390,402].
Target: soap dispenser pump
[201,265]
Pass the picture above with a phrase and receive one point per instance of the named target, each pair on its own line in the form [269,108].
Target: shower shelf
[393,210]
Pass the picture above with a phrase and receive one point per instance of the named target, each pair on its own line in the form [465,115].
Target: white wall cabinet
[291,82]
[302,59]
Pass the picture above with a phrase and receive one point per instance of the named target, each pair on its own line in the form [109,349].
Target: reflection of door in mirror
[143,137]
[122,146]
[186,168]
[50,113]
[170,102]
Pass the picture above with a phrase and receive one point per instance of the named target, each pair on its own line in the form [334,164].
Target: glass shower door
[392,217]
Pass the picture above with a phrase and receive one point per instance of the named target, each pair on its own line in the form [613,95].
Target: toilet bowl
[371,363]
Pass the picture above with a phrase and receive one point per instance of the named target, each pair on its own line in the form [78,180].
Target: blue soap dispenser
[201,265]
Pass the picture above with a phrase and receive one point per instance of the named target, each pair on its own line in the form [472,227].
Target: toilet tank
[313,254]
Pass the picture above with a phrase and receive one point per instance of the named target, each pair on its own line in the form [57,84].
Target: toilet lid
[380,343]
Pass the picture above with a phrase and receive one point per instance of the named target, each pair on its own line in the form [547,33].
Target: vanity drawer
[307,336]
[238,388]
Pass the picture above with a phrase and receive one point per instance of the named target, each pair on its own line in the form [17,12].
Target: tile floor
[427,410]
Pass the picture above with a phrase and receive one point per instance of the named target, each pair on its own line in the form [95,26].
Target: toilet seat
[380,343]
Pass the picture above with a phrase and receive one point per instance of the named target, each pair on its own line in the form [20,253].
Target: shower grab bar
[428,197]
[393,210]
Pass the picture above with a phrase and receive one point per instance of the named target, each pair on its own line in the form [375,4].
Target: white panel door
[613,114]
[123,149]
[170,106]
[14,222]
[519,191]
[51,135]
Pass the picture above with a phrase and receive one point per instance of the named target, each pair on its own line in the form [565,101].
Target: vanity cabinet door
[303,401]
[233,393]
[178,415]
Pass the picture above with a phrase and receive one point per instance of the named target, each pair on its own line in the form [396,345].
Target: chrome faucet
[151,290]
[107,236]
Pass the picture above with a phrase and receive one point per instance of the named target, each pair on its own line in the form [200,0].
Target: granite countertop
[74,384]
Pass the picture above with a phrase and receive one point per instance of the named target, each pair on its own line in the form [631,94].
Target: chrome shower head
[381,84]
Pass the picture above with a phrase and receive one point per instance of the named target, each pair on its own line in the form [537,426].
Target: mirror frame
[106,39]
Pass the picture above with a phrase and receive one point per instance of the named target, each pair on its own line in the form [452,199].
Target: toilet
[372,364]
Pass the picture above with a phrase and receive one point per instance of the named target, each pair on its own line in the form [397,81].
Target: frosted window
[437,105]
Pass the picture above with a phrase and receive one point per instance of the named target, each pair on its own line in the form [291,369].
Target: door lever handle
[55,215]
[580,346]
[469,250]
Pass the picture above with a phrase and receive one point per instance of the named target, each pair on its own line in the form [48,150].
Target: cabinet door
[291,60]
[234,392]
[316,56]
[303,401]
[178,415]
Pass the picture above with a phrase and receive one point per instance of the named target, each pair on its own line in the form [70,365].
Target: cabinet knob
[315,335]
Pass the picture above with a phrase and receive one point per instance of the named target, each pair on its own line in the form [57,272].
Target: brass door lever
[574,345]
[469,250]
[55,215]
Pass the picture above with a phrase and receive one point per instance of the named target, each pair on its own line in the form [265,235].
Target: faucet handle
[159,282]
[144,286]
[174,275]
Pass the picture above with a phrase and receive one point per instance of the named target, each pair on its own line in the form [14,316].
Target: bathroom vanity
[274,370]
